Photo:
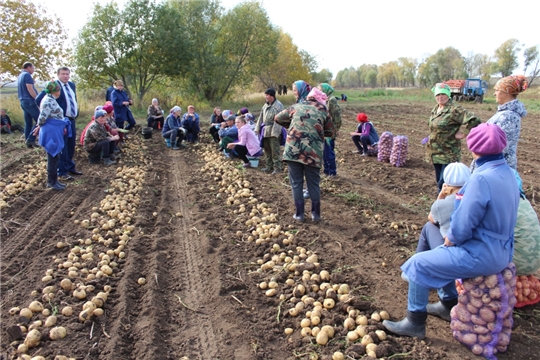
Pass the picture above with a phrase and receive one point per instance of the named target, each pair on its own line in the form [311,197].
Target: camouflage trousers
[272,151]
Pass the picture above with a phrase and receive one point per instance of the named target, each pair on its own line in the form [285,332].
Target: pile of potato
[482,319]
[527,290]
[400,149]
[34,174]
[385,146]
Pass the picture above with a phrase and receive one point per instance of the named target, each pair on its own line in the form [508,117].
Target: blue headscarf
[303,89]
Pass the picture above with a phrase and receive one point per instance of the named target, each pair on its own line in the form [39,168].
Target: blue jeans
[30,111]
[430,237]
[174,135]
[329,158]
[66,162]
[361,143]
[297,171]
[419,296]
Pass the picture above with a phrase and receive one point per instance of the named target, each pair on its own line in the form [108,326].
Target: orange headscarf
[512,85]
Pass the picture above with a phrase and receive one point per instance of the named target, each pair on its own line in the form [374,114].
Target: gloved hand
[328,140]
[425,140]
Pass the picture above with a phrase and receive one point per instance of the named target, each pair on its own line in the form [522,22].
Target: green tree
[478,65]
[532,61]
[146,45]
[323,76]
[286,67]
[408,68]
[28,33]
[444,65]
[506,57]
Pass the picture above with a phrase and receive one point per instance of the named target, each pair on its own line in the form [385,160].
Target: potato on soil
[32,338]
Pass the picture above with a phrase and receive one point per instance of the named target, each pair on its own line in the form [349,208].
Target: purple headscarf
[303,89]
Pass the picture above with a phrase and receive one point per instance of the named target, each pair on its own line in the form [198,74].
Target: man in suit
[68,103]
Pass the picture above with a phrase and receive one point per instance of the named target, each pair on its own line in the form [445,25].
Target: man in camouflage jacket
[272,131]
[308,123]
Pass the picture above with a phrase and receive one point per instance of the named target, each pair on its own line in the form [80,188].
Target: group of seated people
[177,127]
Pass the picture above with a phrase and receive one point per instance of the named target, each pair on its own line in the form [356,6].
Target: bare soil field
[164,216]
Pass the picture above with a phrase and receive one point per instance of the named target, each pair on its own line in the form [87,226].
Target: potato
[51,321]
[22,349]
[487,315]
[305,323]
[338,355]
[288,331]
[67,311]
[477,349]
[305,332]
[329,330]
[322,337]
[32,338]
[485,338]
[361,330]
[329,303]
[66,284]
[384,315]
[352,336]
[375,316]
[27,313]
[380,334]
[367,339]
[469,339]
[58,332]
[361,320]
[461,313]
[349,324]
[371,347]
[477,320]
[14,310]
[35,306]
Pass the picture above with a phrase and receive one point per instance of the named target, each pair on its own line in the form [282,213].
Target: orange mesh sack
[482,319]
[527,290]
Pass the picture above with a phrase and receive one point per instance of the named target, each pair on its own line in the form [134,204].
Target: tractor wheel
[460,98]
[479,99]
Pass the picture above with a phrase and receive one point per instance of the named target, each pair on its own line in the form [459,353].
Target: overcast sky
[344,33]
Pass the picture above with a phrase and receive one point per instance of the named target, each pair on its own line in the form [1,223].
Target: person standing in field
[272,132]
[445,131]
[121,102]
[509,113]
[308,124]
[334,109]
[52,128]
[27,93]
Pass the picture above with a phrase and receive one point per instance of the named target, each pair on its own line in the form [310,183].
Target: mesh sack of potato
[400,148]
[482,319]
[527,290]
[385,146]
[526,240]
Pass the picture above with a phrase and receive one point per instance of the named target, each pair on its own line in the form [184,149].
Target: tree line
[195,47]
[444,65]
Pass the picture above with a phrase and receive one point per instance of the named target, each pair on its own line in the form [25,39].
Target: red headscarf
[512,85]
[362,117]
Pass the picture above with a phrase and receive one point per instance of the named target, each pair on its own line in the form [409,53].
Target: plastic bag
[526,240]
[482,319]
[385,146]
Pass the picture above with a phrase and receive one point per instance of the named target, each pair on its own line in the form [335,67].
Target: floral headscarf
[512,85]
[318,95]
[51,87]
[303,89]
[327,89]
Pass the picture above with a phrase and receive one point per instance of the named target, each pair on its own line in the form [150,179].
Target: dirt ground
[202,298]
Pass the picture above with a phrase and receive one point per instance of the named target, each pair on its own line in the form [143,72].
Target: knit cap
[456,174]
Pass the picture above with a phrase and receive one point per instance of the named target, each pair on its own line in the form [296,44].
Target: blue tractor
[468,90]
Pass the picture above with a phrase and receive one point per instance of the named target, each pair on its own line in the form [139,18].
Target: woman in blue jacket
[190,122]
[480,241]
[173,132]
[121,102]
[365,135]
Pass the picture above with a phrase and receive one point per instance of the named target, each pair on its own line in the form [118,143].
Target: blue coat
[171,123]
[481,227]
[120,110]
[51,135]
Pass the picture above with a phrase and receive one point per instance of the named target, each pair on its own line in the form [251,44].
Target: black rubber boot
[442,309]
[299,215]
[414,325]
[316,211]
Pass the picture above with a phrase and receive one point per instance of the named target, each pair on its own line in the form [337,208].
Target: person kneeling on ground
[191,123]
[480,241]
[248,142]
[98,141]
[7,127]
[365,135]
[228,133]
[173,132]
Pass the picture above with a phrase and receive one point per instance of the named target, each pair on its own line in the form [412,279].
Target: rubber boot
[107,161]
[442,309]
[414,325]
[299,215]
[55,186]
[316,211]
